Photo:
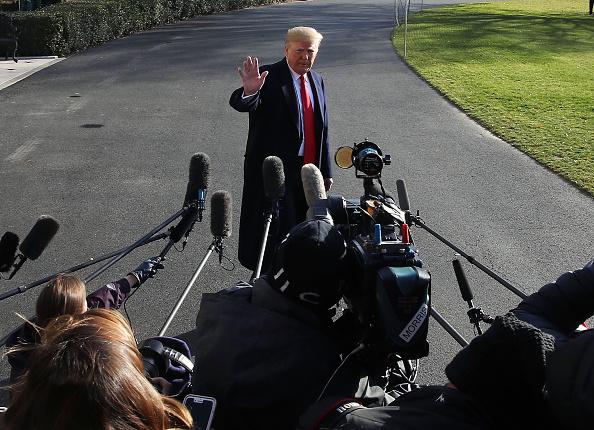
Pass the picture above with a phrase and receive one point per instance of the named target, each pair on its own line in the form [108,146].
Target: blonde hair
[87,373]
[303,34]
[65,295]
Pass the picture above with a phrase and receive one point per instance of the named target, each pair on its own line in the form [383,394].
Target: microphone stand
[90,262]
[216,245]
[130,248]
[448,327]
[416,220]
[419,222]
[267,222]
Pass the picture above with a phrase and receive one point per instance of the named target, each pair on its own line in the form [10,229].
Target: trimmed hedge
[67,27]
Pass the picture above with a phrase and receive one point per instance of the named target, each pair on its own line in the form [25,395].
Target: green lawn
[523,69]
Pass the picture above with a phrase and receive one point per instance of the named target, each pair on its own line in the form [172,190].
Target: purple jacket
[110,296]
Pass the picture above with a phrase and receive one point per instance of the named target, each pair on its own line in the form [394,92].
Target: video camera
[389,291]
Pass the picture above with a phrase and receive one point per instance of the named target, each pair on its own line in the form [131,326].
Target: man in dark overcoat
[288,118]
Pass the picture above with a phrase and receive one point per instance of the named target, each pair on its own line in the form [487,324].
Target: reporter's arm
[112,295]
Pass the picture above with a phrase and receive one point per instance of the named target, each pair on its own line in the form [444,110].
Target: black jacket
[274,129]
[560,307]
[426,408]
[262,356]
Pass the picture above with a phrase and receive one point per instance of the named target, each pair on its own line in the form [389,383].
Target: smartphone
[202,409]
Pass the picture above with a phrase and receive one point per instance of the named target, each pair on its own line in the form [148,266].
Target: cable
[359,347]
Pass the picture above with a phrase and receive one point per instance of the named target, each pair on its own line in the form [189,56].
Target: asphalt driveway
[102,141]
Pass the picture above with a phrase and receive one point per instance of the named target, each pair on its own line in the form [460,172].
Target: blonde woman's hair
[303,34]
[87,373]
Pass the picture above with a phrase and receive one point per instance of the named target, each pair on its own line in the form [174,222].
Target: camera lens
[369,162]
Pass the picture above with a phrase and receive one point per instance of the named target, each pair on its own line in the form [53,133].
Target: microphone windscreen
[273,175]
[184,225]
[221,214]
[39,237]
[199,170]
[313,184]
[8,247]
[402,195]
[191,192]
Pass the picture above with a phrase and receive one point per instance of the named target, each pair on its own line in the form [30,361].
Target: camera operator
[531,369]
[65,295]
[87,373]
[265,352]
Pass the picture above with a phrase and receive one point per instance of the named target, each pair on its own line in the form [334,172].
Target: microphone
[273,176]
[221,214]
[475,314]
[198,181]
[465,290]
[193,200]
[315,193]
[8,247]
[184,225]
[402,195]
[39,237]
[220,226]
[36,241]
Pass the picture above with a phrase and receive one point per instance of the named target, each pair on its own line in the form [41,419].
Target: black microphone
[184,225]
[36,241]
[402,195]
[475,314]
[39,237]
[198,181]
[273,178]
[220,226]
[8,247]
[221,214]
[273,175]
[193,201]
[465,290]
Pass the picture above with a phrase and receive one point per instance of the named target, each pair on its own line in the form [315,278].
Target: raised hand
[251,77]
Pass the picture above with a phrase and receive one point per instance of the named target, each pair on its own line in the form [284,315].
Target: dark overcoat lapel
[290,97]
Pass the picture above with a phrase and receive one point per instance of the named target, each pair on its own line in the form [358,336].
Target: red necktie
[309,126]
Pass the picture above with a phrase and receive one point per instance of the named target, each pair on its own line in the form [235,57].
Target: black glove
[147,269]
